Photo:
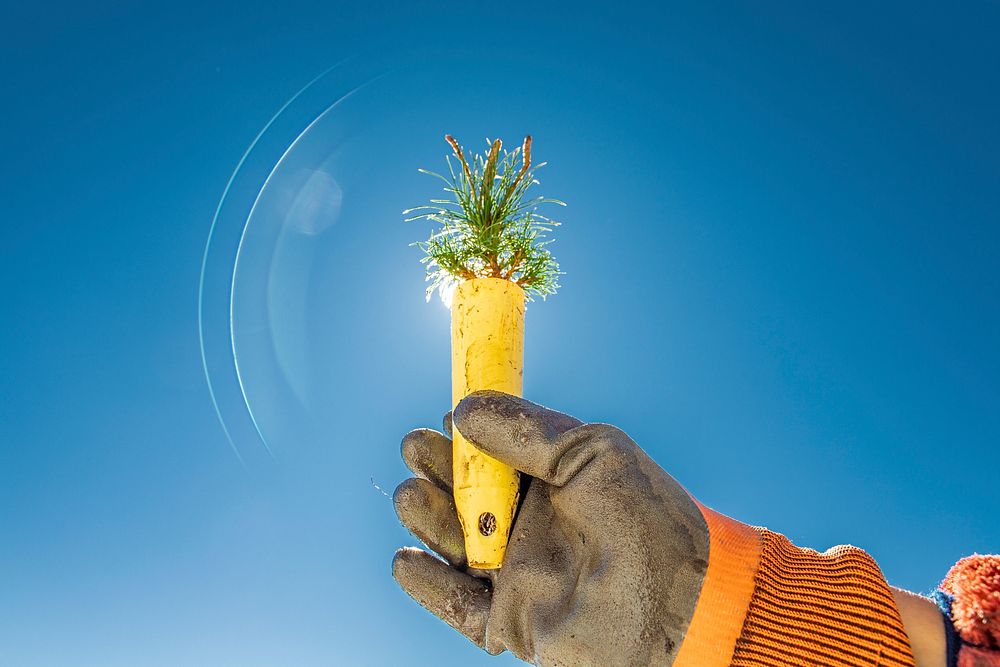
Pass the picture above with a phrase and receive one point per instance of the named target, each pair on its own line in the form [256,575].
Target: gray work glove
[607,553]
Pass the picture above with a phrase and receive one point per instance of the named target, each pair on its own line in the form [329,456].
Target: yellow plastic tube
[487,352]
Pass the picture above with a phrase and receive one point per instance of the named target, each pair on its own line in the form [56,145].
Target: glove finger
[520,433]
[429,513]
[447,424]
[457,598]
[428,454]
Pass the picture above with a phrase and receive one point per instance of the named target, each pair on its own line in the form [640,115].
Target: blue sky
[781,278]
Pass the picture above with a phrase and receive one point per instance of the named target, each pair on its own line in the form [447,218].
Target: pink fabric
[970,656]
[974,584]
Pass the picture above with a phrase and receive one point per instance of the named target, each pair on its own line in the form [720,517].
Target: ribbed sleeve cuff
[811,608]
[767,603]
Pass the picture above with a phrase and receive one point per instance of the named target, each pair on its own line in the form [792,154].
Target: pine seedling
[489,228]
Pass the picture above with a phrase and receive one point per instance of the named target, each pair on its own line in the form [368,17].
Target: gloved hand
[606,556]
[610,561]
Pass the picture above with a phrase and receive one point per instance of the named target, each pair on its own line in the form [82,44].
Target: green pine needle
[488,228]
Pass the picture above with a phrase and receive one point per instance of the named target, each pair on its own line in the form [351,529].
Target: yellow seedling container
[487,352]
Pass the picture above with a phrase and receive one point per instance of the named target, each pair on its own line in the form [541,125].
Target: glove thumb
[520,433]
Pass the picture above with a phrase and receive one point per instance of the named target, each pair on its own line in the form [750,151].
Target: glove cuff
[734,553]
[790,606]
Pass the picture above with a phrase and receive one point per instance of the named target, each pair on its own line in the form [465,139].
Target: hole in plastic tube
[487,524]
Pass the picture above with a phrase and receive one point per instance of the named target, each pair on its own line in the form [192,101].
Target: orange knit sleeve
[767,603]
[811,608]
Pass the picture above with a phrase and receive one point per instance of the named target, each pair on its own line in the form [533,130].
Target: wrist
[924,627]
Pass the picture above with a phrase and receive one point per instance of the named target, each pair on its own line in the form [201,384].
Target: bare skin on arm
[924,626]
